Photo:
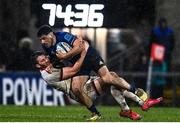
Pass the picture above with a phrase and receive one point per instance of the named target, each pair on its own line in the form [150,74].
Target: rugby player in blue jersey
[65,46]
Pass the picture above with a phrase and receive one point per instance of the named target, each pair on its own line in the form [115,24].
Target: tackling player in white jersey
[60,79]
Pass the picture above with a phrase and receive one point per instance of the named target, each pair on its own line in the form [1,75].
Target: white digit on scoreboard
[95,18]
[82,15]
[52,8]
[66,15]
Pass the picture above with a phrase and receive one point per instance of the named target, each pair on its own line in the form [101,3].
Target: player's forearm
[78,64]
[76,67]
[70,71]
[74,51]
[78,47]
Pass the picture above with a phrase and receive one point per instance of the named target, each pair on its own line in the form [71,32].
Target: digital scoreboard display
[82,13]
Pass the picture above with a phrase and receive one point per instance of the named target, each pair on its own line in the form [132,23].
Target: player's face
[43,61]
[46,40]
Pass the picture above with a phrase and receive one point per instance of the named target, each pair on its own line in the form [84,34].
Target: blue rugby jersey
[64,43]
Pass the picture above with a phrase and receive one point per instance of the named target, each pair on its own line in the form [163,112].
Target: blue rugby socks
[132,87]
[93,109]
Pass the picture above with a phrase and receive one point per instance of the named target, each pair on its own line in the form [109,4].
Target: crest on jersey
[101,63]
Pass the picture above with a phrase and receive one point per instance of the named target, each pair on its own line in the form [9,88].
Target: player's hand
[60,55]
[80,37]
[49,69]
[82,45]
[83,53]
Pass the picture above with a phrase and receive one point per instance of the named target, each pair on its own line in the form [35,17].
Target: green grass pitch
[80,113]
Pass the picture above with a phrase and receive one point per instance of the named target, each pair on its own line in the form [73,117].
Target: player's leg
[142,101]
[77,88]
[125,110]
[145,105]
[132,96]
[120,83]
[98,65]
[139,92]
[78,83]
[95,87]
[100,86]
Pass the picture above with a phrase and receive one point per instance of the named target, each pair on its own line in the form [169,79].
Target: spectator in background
[162,35]
[2,60]
[23,60]
[7,50]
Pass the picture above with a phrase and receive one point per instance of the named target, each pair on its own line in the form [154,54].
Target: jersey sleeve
[69,38]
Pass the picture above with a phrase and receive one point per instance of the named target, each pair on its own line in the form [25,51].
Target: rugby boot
[150,102]
[130,114]
[94,117]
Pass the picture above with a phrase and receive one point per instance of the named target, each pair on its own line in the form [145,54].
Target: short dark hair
[35,55]
[44,30]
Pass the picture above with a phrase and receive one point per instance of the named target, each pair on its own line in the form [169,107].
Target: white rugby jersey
[53,79]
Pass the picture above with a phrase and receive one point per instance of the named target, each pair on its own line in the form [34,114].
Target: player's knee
[114,74]
[121,79]
[76,90]
[107,79]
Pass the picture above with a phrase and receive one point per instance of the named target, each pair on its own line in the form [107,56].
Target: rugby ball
[63,47]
